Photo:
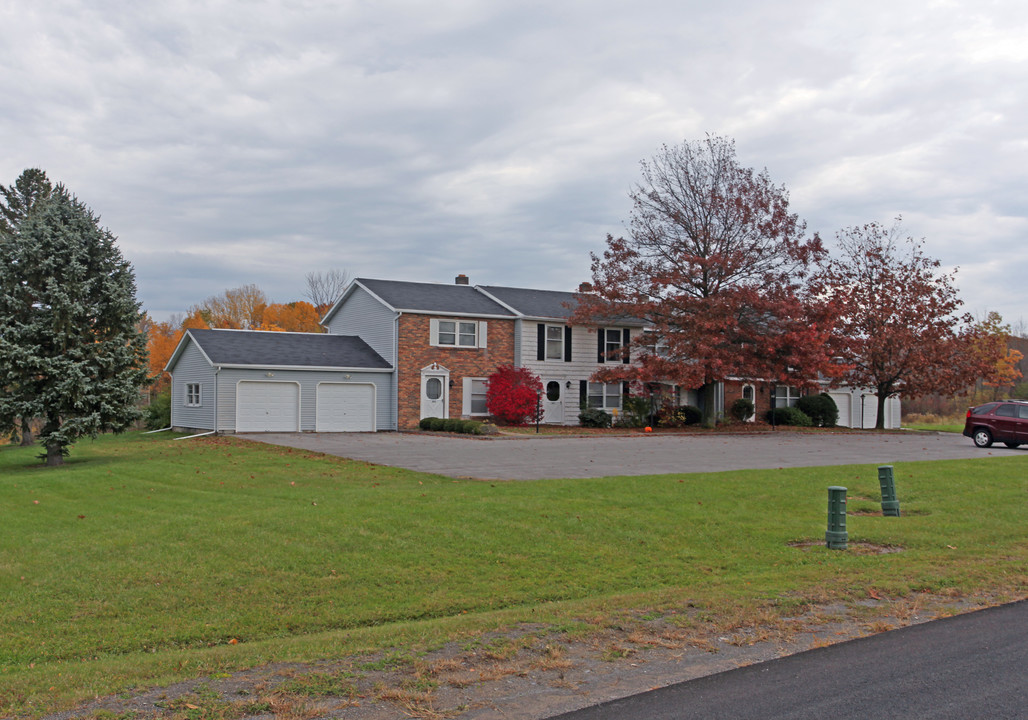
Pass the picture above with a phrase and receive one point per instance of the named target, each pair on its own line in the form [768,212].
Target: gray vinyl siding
[192,367]
[308,380]
[364,316]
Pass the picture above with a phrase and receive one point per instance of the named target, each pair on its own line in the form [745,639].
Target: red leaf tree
[898,328]
[714,261]
[512,395]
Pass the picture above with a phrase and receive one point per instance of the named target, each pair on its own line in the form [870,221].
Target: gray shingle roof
[555,304]
[434,297]
[279,349]
[535,303]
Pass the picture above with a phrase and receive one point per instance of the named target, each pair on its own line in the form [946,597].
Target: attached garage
[844,401]
[345,407]
[245,381]
[267,406]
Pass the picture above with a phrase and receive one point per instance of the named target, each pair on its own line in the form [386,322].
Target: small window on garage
[193,395]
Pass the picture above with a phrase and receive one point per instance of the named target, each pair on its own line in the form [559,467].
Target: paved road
[533,458]
[960,668]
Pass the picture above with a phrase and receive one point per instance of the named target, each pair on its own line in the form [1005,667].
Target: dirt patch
[858,547]
[529,671]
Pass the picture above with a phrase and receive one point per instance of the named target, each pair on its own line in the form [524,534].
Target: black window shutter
[567,344]
[602,350]
[583,392]
[626,340]
[541,349]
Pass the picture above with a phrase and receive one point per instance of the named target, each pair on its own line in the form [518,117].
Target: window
[478,404]
[554,342]
[1006,411]
[457,333]
[612,345]
[192,394]
[434,388]
[786,396]
[605,395]
[553,391]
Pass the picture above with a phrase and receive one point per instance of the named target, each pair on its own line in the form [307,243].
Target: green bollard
[890,505]
[836,536]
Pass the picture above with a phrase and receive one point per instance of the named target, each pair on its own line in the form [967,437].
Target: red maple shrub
[512,396]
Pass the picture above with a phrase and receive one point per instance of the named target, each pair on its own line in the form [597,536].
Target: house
[396,352]
[252,381]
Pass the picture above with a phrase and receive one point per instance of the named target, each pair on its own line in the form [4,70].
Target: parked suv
[1005,421]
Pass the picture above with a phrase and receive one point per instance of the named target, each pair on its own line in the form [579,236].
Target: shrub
[452,425]
[435,423]
[157,415]
[512,395]
[635,412]
[594,417]
[821,409]
[678,416]
[742,409]
[789,416]
[425,423]
[456,425]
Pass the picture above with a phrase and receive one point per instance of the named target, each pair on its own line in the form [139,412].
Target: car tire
[1012,445]
[982,438]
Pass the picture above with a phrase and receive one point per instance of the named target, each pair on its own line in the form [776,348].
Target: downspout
[396,371]
[217,369]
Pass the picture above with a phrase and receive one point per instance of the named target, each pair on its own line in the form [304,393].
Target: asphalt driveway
[533,458]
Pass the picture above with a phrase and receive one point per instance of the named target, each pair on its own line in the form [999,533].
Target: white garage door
[844,402]
[267,407]
[346,407]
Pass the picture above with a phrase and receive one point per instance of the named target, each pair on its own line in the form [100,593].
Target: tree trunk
[880,419]
[54,455]
[27,436]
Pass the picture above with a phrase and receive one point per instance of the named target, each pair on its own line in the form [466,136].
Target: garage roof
[258,348]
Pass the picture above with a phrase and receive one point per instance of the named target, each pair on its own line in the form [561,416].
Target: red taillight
[969,412]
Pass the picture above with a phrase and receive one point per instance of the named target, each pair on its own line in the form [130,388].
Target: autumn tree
[16,202]
[299,316]
[324,288]
[240,308]
[714,261]
[999,360]
[512,395]
[898,329]
[70,349]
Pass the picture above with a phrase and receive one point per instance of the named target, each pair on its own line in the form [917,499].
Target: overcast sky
[230,142]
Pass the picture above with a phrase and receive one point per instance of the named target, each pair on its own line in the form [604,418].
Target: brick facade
[417,352]
[761,396]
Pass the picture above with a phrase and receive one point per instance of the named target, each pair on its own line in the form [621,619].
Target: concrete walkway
[532,458]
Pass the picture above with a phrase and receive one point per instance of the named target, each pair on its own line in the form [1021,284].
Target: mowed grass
[146,559]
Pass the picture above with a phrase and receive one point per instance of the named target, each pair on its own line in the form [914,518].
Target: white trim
[314,368]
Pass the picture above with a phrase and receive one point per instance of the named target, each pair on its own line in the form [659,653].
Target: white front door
[553,402]
[435,393]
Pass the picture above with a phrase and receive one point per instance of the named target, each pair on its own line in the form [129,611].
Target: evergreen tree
[70,350]
[16,202]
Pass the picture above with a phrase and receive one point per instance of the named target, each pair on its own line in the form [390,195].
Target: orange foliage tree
[299,316]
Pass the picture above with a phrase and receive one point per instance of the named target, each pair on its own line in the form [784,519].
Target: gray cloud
[228,143]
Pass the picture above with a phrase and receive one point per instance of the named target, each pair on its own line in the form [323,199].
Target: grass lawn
[936,427]
[145,560]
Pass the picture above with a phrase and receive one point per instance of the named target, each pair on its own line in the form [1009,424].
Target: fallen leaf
[874,594]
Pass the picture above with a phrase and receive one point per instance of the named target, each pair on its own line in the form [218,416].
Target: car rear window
[983,409]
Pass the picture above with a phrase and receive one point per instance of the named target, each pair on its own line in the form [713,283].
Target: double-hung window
[193,395]
[605,395]
[612,345]
[554,342]
[786,396]
[457,333]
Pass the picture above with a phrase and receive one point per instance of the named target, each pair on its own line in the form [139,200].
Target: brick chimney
[586,287]
[461,279]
